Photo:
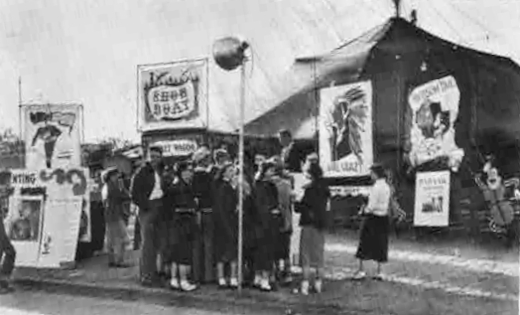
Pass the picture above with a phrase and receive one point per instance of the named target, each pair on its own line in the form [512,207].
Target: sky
[77,51]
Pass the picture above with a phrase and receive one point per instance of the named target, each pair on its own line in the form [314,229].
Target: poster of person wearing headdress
[52,135]
[434,109]
[346,129]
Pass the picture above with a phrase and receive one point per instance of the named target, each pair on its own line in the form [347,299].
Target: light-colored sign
[432,199]
[344,191]
[172,95]
[345,122]
[52,135]
[49,211]
[435,108]
[177,147]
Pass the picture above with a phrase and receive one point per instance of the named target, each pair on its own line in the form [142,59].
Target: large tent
[395,56]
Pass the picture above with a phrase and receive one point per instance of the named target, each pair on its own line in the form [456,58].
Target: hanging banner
[48,208]
[435,108]
[172,95]
[345,121]
[52,135]
[432,199]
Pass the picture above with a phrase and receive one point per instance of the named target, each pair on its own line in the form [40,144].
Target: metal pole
[241,173]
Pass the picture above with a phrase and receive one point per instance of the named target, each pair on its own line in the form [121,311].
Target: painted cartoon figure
[48,133]
[349,116]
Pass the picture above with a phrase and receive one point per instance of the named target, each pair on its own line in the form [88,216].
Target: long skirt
[373,241]
[265,253]
[312,247]
[184,230]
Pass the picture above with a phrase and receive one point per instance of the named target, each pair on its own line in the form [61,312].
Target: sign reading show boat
[172,95]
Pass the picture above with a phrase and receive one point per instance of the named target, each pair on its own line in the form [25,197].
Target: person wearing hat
[7,251]
[117,235]
[373,241]
[203,262]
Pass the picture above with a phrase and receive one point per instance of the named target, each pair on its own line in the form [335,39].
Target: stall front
[403,97]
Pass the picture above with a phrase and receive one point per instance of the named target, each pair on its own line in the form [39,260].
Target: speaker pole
[241,175]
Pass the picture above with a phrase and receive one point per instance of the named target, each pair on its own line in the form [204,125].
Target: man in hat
[7,251]
[203,189]
[147,194]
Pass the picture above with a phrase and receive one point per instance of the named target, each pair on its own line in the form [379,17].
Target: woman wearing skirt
[373,242]
[313,208]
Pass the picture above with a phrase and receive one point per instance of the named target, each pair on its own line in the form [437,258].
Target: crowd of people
[188,216]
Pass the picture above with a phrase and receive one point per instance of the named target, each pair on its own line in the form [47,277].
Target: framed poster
[24,224]
[434,110]
[53,134]
[345,130]
[432,199]
[172,95]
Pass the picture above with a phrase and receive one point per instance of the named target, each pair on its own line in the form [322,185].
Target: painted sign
[49,210]
[181,147]
[435,108]
[172,95]
[345,122]
[432,199]
[52,135]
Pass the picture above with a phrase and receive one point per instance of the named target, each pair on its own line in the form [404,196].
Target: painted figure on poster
[349,116]
[435,107]
[52,136]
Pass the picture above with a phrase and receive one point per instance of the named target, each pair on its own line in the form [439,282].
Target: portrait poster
[64,206]
[345,130]
[434,110]
[172,95]
[53,135]
[23,225]
[432,199]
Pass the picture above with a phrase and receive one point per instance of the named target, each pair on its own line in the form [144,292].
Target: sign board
[345,137]
[432,199]
[181,147]
[52,135]
[172,95]
[435,109]
[48,211]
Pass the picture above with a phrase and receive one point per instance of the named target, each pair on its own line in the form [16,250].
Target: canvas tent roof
[297,107]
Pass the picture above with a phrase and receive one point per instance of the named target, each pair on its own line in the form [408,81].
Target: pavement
[426,277]
[37,303]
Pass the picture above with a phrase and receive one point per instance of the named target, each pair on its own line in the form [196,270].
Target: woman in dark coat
[267,225]
[226,226]
[184,227]
[313,208]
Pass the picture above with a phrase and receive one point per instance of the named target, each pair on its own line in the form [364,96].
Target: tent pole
[241,174]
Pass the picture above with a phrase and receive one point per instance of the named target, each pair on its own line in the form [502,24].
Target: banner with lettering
[180,147]
[345,130]
[49,210]
[432,199]
[52,135]
[434,110]
[173,95]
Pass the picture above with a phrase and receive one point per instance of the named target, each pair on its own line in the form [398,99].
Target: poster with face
[435,108]
[48,213]
[345,123]
[52,135]
[172,95]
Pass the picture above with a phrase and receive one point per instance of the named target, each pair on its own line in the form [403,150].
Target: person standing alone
[147,194]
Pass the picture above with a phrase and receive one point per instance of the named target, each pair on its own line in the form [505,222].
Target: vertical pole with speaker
[229,54]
